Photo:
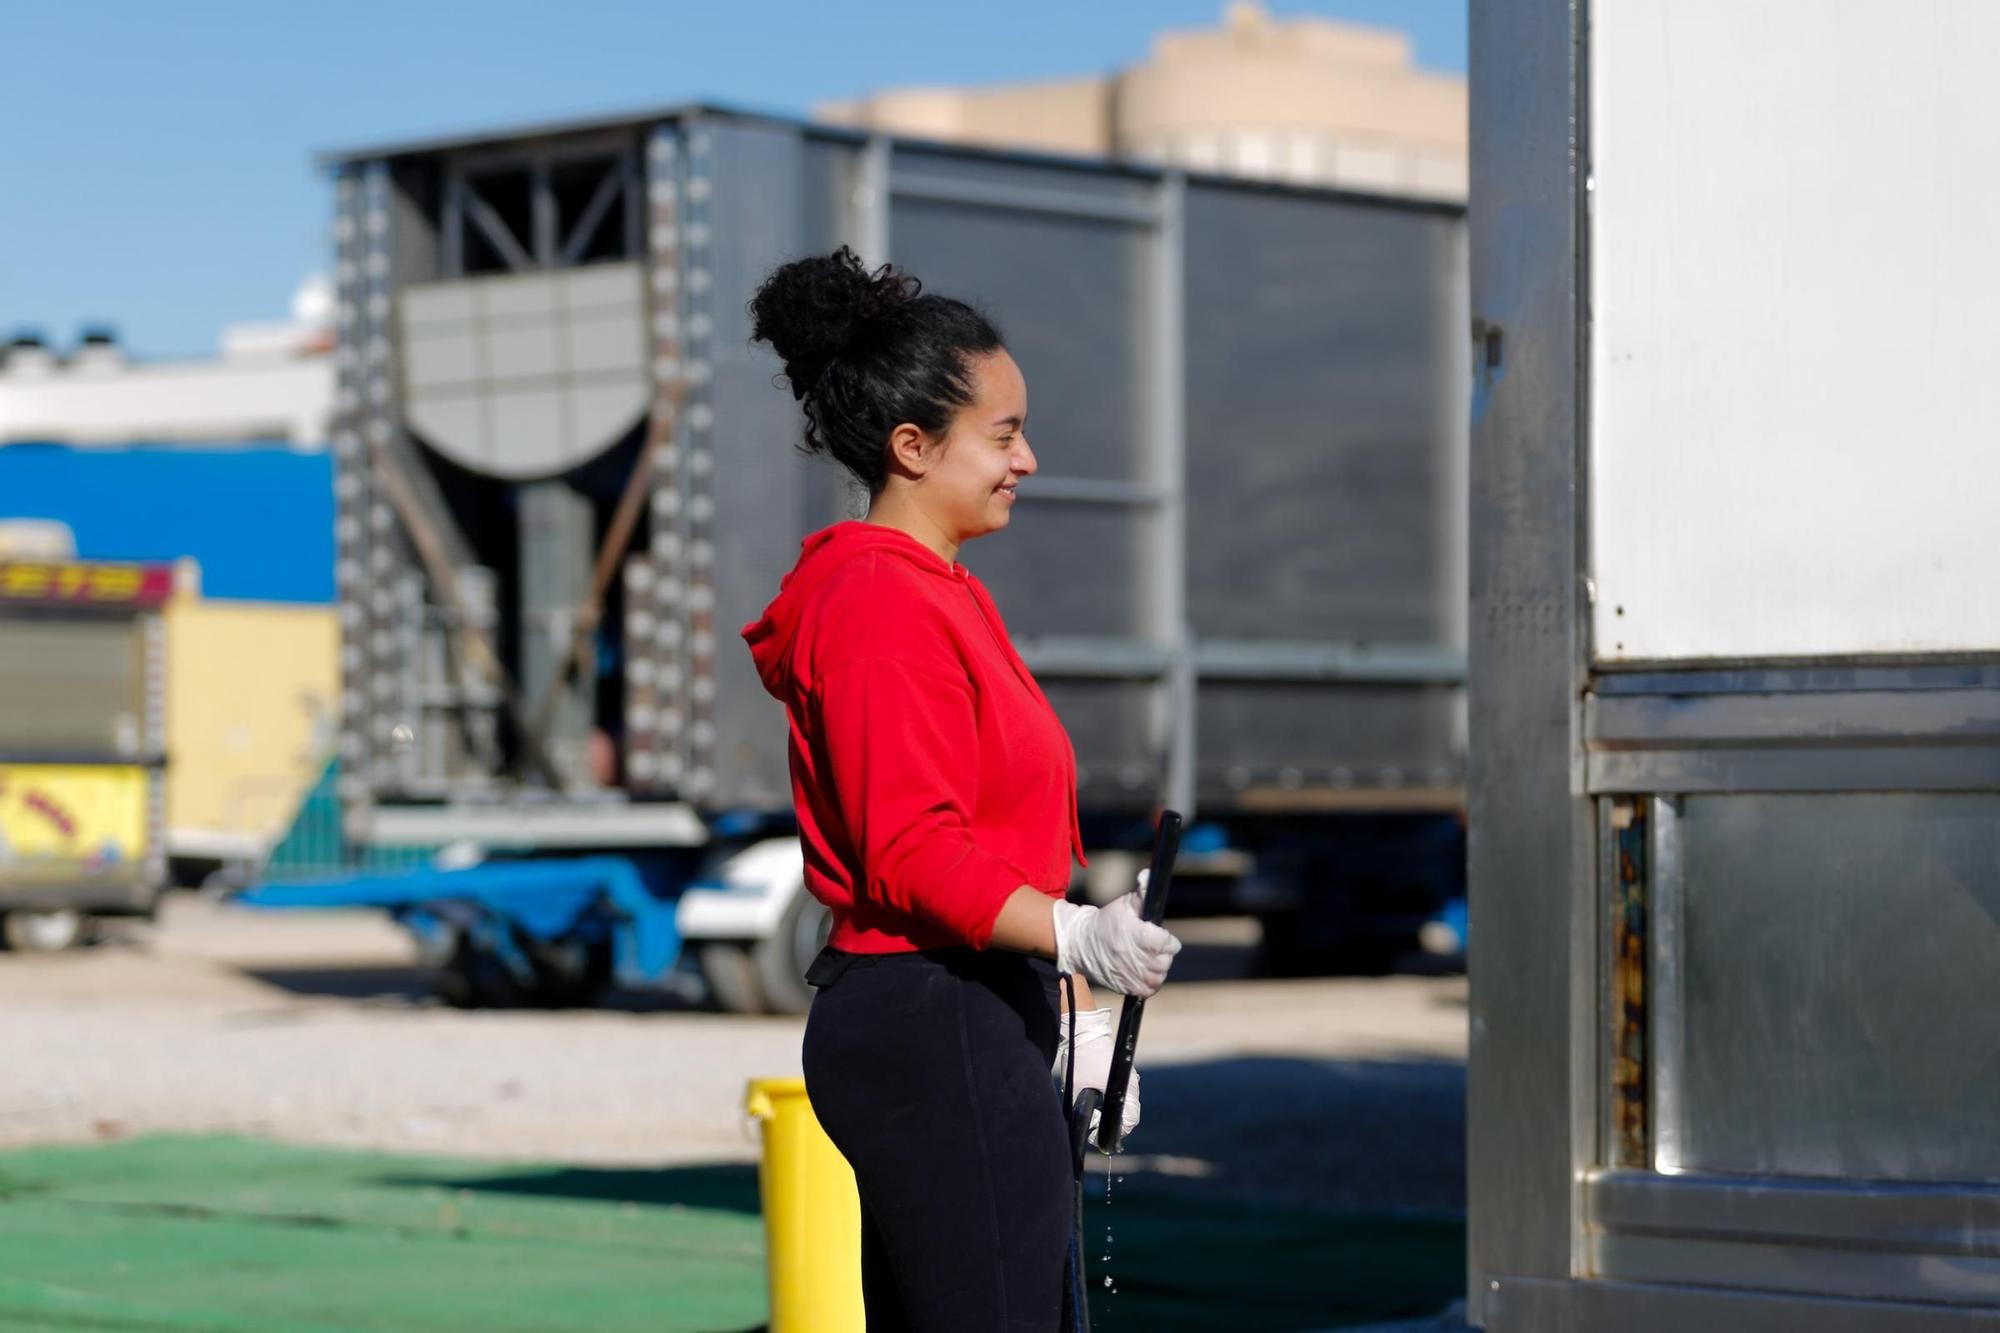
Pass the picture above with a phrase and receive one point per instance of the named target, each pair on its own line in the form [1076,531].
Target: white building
[269,383]
[1305,100]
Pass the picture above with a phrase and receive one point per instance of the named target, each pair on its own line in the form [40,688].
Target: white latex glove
[1094,1042]
[1115,947]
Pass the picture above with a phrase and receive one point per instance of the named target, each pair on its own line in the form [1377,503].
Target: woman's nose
[1024,459]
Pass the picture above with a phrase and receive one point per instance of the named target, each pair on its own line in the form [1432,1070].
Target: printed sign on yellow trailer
[85,584]
[62,820]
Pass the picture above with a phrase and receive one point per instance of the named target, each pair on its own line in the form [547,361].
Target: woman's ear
[909,450]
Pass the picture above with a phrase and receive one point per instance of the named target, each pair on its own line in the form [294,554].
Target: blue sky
[155,165]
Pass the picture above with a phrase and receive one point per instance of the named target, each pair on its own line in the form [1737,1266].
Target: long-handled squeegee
[1166,847]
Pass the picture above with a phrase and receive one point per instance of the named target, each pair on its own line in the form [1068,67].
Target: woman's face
[969,488]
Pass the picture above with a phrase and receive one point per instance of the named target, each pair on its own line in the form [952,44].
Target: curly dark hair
[865,352]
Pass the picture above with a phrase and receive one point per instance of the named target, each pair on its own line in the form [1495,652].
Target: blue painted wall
[258,518]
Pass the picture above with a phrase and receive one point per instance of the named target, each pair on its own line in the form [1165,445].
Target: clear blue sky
[155,164]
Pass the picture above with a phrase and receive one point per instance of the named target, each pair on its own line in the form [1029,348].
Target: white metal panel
[605,411]
[439,359]
[446,303]
[1794,408]
[529,295]
[526,434]
[613,286]
[523,351]
[596,344]
[441,416]
[548,371]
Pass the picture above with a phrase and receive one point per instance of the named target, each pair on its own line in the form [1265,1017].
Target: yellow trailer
[82,745]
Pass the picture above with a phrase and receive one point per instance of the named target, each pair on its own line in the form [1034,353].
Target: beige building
[1305,100]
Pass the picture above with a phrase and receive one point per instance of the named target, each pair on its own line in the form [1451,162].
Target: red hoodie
[930,775]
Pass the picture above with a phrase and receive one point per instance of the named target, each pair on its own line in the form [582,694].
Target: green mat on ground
[222,1235]
[228,1234]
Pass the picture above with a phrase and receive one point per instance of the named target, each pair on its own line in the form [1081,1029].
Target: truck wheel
[1288,948]
[732,979]
[782,959]
[1281,948]
[570,974]
[473,978]
[1363,958]
[44,932]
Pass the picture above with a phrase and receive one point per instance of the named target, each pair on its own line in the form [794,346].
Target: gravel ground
[316,1028]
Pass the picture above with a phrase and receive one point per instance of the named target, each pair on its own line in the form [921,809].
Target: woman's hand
[1094,1041]
[1115,946]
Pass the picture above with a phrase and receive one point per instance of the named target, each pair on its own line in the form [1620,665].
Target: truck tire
[1287,947]
[44,932]
[732,978]
[472,978]
[1281,950]
[570,974]
[782,959]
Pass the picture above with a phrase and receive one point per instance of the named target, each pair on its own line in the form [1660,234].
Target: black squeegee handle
[1166,848]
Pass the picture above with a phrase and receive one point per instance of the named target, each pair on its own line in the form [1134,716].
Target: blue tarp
[547,899]
[258,517]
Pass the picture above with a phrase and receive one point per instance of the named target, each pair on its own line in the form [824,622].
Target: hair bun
[813,310]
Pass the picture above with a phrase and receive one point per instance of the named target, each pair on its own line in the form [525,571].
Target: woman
[936,796]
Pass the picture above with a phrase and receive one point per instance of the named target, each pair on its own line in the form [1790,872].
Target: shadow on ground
[1271,1195]
[416,987]
[1283,1194]
[408,985]
[722,1186]
[1377,1135]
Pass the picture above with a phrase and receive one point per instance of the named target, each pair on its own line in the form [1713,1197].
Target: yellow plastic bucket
[812,1215]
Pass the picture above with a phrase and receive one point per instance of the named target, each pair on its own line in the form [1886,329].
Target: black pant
[930,1073]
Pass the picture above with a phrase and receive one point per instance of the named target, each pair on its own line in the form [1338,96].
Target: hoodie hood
[771,636]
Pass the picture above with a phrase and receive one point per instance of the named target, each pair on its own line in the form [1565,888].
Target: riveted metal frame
[670,630]
[694,426]
[362,524]
[657,615]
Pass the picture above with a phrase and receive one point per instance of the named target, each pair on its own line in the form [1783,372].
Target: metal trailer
[1735,782]
[1239,574]
[82,746]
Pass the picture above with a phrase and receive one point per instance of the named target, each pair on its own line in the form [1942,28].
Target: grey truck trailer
[564,481]
[1735,784]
